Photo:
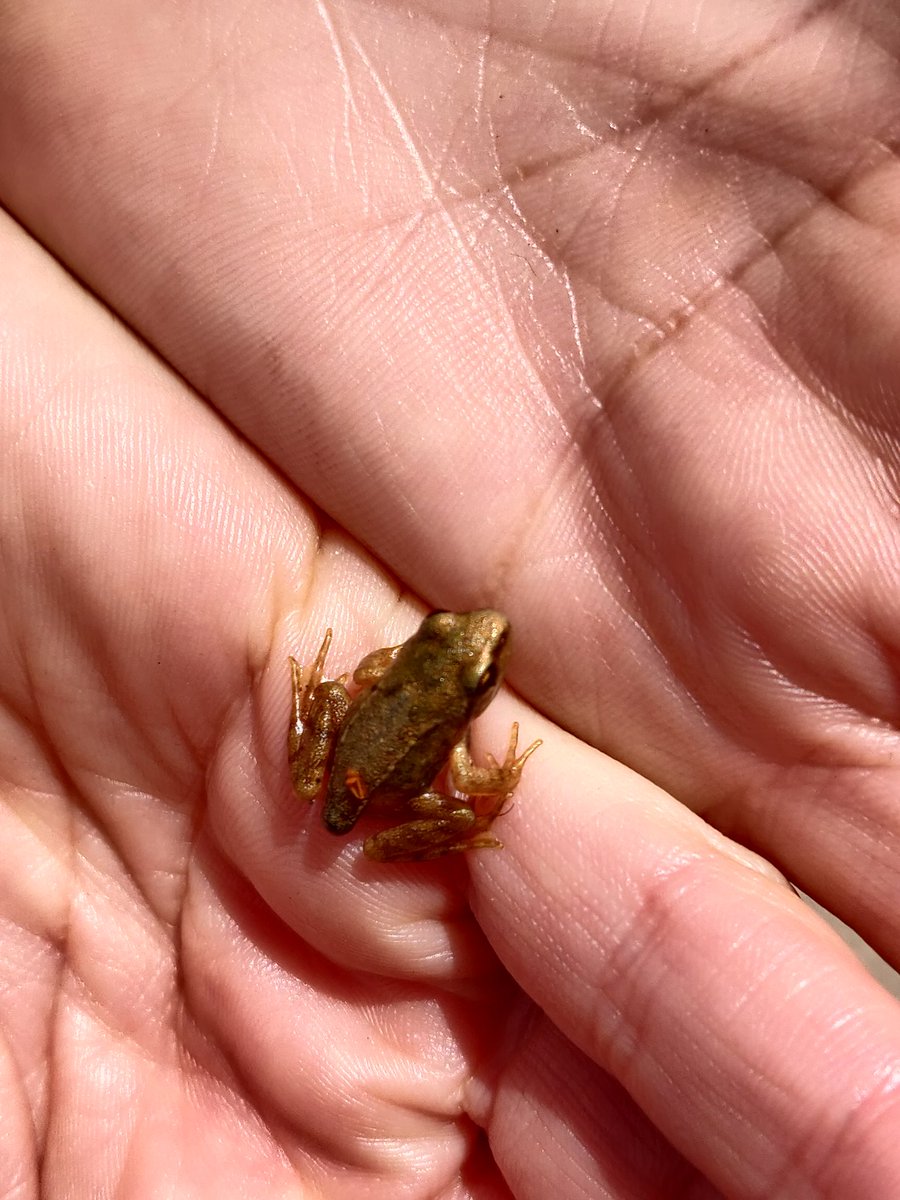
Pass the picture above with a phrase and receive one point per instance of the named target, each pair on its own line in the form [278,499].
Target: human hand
[595,325]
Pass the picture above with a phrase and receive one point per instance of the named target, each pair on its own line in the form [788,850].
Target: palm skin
[585,315]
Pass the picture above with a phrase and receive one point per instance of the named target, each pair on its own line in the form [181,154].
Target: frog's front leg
[497,779]
[444,825]
[318,709]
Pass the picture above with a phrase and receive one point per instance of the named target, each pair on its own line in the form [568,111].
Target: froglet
[385,747]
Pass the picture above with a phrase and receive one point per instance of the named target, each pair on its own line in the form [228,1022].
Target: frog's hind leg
[448,828]
[407,843]
[318,709]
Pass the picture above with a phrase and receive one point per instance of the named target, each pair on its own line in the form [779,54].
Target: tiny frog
[386,746]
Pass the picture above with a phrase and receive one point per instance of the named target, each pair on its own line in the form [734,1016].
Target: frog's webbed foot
[447,826]
[496,779]
[318,709]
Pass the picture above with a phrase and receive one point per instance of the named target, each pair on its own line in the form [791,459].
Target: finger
[560,1125]
[739,1023]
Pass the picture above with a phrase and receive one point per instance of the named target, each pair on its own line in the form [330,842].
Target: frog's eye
[488,679]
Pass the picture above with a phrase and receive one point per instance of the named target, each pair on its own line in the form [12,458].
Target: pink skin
[589,316]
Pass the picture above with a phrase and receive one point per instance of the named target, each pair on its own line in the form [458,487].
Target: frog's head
[478,643]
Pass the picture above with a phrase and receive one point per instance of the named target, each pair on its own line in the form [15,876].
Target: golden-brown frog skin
[386,746]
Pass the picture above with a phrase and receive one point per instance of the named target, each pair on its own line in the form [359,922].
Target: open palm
[587,315]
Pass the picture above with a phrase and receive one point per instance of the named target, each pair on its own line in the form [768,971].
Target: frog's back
[396,740]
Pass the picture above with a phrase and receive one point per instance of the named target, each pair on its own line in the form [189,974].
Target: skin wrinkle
[804,18]
[818,1156]
[633,943]
[636,553]
[660,332]
[782,1179]
[351,109]
[674,322]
